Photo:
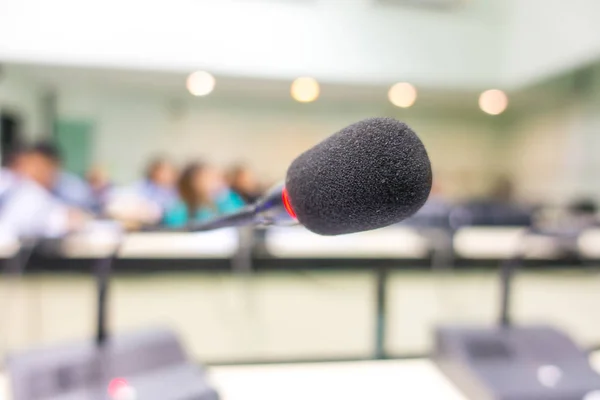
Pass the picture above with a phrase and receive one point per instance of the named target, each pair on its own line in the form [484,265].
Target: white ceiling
[475,45]
[441,4]
[171,87]
[173,84]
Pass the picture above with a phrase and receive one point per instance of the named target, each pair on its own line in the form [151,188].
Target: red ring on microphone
[287,203]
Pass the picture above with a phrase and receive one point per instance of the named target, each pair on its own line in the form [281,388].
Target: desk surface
[417,379]
[380,380]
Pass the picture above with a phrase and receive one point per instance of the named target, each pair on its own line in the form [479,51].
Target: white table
[417,379]
[391,242]
[377,380]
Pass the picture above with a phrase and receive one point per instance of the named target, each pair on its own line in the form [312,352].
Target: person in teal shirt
[204,196]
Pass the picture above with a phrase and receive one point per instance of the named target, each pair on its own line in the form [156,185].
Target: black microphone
[369,175]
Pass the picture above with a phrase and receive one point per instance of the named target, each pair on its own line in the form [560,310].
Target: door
[10,134]
[75,140]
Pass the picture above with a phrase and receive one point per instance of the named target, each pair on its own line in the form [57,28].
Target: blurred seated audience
[585,208]
[243,182]
[499,209]
[131,210]
[144,203]
[27,206]
[204,195]
[68,187]
[581,214]
[159,184]
[100,186]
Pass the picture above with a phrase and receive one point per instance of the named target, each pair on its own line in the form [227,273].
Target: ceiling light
[200,83]
[402,95]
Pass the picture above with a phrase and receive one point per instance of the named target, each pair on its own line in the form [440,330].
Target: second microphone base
[515,363]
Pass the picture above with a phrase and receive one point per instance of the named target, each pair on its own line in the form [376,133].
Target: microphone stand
[103,272]
[508,268]
[381,279]
[243,217]
[15,265]
[510,265]
[507,272]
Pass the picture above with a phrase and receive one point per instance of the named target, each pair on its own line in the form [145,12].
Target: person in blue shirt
[27,206]
[68,187]
[204,196]
[159,185]
[242,181]
[101,187]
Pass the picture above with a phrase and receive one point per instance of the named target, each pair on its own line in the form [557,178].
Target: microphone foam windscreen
[371,174]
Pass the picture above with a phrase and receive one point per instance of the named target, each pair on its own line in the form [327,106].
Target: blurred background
[160,113]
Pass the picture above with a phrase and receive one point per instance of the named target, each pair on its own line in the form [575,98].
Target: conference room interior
[504,99]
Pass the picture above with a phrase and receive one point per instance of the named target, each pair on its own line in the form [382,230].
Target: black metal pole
[16,265]
[241,262]
[507,269]
[103,271]
[507,273]
[381,275]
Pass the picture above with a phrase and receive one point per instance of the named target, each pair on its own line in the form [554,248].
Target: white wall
[132,125]
[20,95]
[548,37]
[554,151]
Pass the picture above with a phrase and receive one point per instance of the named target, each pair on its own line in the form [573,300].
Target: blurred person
[160,184]
[27,207]
[582,213]
[144,203]
[498,209]
[503,191]
[204,195]
[68,187]
[584,207]
[36,165]
[100,186]
[243,182]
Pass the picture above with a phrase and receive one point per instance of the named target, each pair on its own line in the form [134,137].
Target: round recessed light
[402,94]
[493,101]
[305,90]
[200,83]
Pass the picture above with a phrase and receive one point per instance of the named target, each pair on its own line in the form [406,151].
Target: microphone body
[272,209]
[275,208]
